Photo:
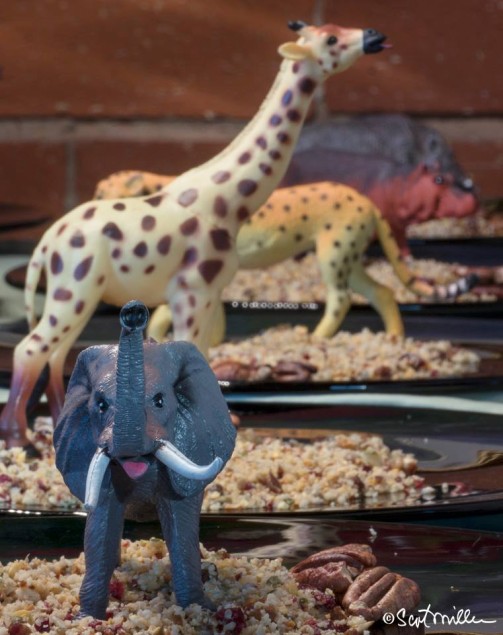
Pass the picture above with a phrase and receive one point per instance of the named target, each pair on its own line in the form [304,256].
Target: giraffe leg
[380,297]
[219,324]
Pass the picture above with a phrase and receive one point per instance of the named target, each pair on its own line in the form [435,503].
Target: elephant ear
[74,442]
[203,428]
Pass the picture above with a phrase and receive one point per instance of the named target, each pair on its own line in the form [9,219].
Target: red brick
[32,180]
[446,57]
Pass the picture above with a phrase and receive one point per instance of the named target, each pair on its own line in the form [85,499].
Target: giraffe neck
[237,181]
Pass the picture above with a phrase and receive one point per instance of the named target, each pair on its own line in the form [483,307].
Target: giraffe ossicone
[163,247]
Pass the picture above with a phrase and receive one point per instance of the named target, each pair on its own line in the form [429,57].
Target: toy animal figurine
[144,426]
[339,222]
[178,245]
[402,196]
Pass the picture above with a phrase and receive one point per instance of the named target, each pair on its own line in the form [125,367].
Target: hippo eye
[332,40]
[158,400]
[102,404]
[439,180]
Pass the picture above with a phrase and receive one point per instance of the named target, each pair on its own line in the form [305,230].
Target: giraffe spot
[265,168]
[44,348]
[243,213]
[275,120]
[189,257]
[188,197]
[164,245]
[44,249]
[287,97]
[55,340]
[207,305]
[221,177]
[149,269]
[100,280]
[293,115]
[141,249]
[220,206]
[192,301]
[307,85]
[124,268]
[79,307]
[221,239]
[189,322]
[177,308]
[261,142]
[82,269]
[275,155]
[196,333]
[120,207]
[334,65]
[62,295]
[283,137]
[61,229]
[112,231]
[53,320]
[298,237]
[154,201]
[89,213]
[78,240]
[244,158]
[56,263]
[209,269]
[188,227]
[66,329]
[35,337]
[296,67]
[116,253]
[148,222]
[182,283]
[246,187]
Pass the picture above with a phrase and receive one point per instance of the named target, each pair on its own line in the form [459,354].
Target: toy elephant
[144,426]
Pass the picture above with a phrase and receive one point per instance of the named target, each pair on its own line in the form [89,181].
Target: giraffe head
[331,48]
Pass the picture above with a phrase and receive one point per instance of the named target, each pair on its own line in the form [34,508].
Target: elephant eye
[158,400]
[332,40]
[102,404]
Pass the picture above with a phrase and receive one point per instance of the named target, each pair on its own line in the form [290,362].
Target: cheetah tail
[33,273]
[406,276]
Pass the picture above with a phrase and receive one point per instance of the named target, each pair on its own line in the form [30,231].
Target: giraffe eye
[332,40]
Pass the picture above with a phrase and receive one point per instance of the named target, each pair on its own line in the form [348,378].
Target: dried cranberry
[322,599]
[42,625]
[227,615]
[18,628]
[4,478]
[116,589]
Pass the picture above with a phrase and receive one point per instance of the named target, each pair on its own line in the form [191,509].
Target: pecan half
[379,591]
[292,371]
[334,568]
[231,370]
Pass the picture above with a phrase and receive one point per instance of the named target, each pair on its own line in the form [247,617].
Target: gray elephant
[144,428]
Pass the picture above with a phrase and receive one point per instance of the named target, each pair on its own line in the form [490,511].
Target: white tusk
[173,458]
[95,474]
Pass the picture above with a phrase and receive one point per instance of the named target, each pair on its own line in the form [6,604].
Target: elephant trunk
[129,437]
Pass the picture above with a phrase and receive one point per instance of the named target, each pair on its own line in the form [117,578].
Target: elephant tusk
[173,458]
[95,474]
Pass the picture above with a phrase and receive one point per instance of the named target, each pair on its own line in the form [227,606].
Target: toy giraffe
[179,245]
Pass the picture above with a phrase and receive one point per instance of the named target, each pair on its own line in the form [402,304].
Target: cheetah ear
[294,51]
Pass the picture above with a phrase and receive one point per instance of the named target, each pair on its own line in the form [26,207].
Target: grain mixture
[480,225]
[292,353]
[300,281]
[264,473]
[253,595]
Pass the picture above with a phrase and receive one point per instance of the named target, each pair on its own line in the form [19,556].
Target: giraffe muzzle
[373,41]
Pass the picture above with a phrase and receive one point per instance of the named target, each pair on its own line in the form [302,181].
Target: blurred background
[88,87]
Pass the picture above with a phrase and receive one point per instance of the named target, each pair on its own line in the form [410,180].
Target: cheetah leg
[380,297]
[337,304]
[159,323]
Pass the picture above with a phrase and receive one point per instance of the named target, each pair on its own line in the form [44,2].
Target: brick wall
[88,87]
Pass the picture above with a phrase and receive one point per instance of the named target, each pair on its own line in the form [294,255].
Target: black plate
[460,456]
[456,569]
